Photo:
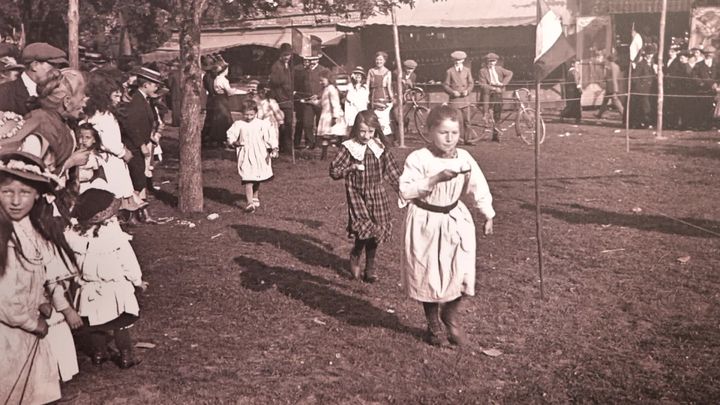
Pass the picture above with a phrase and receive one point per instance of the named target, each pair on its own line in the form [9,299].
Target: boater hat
[148,74]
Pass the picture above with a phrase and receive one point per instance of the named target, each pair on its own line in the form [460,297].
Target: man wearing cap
[493,79]
[281,86]
[138,123]
[308,87]
[408,80]
[458,85]
[40,59]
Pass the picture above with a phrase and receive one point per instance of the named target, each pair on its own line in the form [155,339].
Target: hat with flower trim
[26,166]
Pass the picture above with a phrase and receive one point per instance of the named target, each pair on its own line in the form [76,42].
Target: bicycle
[482,125]
[417,112]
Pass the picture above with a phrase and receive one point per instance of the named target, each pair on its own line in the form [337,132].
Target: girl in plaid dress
[365,164]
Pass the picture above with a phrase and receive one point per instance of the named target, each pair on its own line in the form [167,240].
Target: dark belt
[434,208]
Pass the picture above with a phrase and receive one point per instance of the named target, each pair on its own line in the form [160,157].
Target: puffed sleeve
[413,181]
[233,134]
[478,188]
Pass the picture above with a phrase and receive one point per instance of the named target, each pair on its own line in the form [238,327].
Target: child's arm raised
[342,165]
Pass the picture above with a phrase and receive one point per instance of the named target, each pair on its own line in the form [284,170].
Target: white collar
[357,149]
[30,85]
[709,62]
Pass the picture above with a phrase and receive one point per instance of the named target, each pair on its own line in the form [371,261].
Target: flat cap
[492,56]
[458,55]
[410,64]
[43,52]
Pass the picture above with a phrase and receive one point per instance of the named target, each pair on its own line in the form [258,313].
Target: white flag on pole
[636,45]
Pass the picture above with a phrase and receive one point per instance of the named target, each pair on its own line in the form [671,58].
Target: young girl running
[365,164]
[109,275]
[255,144]
[438,263]
[30,242]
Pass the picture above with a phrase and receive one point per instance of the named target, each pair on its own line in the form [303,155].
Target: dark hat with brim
[26,166]
[44,52]
[95,206]
[285,49]
[359,70]
[148,74]
[9,63]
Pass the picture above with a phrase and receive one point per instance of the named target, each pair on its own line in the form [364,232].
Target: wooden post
[660,73]
[398,63]
[538,211]
[73,38]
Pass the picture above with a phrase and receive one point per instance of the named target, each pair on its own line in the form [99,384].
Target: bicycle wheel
[481,125]
[420,121]
[525,126]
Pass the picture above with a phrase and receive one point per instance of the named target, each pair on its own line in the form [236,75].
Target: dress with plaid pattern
[368,207]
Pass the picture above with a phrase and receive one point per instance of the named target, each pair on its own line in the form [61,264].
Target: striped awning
[604,7]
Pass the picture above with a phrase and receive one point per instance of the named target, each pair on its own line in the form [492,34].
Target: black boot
[450,317]
[435,330]
[98,344]
[370,249]
[124,344]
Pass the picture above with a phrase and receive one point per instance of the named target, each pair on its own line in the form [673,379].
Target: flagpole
[629,92]
[661,64]
[399,88]
[538,212]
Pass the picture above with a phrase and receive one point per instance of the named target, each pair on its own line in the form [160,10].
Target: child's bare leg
[256,194]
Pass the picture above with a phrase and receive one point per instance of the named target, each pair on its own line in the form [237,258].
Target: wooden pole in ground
[538,211]
[660,73]
[398,63]
[73,36]
[629,94]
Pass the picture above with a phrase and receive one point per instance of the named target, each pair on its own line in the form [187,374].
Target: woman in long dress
[219,105]
[379,81]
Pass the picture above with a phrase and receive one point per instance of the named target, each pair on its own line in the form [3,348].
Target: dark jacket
[281,82]
[643,77]
[14,97]
[461,81]
[137,121]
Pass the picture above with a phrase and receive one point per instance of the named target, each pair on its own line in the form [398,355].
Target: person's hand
[464,93]
[456,93]
[445,175]
[72,318]
[41,329]
[78,158]
[488,227]
[45,310]
[127,156]
[357,167]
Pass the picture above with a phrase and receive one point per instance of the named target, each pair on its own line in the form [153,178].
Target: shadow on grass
[317,293]
[310,223]
[307,249]
[580,214]
[687,151]
[223,196]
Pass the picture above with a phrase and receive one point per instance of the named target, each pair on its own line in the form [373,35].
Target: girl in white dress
[269,110]
[331,125]
[109,275]
[256,144]
[438,263]
[357,96]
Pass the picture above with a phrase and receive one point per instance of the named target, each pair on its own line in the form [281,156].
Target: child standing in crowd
[255,144]
[438,264]
[91,174]
[30,242]
[109,275]
[269,110]
[357,96]
[331,124]
[365,164]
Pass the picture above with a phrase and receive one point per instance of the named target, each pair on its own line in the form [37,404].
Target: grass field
[258,308]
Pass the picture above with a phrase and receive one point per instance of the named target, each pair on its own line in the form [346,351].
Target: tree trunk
[190,187]
[73,29]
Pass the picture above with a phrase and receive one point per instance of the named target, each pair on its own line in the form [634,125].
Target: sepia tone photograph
[359,201]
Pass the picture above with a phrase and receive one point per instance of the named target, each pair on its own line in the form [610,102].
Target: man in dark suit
[702,74]
[643,79]
[307,82]
[281,86]
[138,122]
[674,72]
[458,85]
[493,79]
[39,59]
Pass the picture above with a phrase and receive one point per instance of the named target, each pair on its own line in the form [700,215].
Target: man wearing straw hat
[458,85]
